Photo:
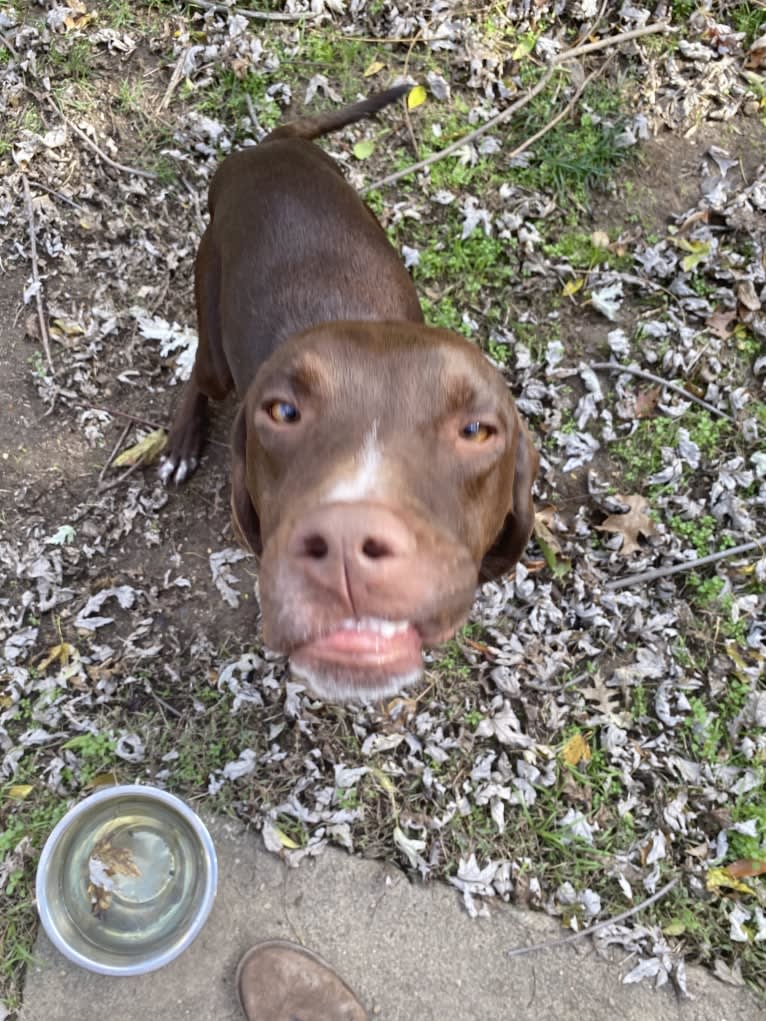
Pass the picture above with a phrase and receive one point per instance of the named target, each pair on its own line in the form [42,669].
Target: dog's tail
[312,127]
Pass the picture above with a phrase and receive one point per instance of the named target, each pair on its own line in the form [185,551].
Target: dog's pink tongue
[360,644]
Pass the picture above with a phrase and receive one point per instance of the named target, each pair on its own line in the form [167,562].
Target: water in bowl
[129,877]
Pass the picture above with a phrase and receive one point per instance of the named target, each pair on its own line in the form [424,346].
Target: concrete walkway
[410,952]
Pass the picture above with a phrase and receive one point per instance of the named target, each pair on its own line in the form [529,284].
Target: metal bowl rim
[208,897]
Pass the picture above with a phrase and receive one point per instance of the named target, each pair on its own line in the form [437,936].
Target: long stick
[687,565]
[44,337]
[523,951]
[642,374]
[207,5]
[509,111]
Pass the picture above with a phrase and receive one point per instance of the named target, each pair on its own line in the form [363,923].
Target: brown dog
[379,465]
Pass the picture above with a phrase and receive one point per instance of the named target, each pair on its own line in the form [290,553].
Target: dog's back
[291,244]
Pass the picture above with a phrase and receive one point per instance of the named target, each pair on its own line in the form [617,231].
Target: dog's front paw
[176,469]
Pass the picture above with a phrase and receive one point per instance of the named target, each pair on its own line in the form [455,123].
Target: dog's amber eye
[477,432]
[283,412]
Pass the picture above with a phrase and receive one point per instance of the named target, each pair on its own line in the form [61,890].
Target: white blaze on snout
[365,475]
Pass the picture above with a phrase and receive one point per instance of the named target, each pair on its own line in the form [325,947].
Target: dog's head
[380,470]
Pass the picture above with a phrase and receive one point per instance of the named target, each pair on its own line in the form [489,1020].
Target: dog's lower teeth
[384,628]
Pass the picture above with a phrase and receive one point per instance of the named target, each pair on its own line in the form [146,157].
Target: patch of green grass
[30,819]
[451,661]
[321,49]
[225,99]
[73,61]
[749,18]
[578,250]
[131,97]
[470,264]
[444,314]
[641,453]
[118,14]
[95,752]
[709,595]
[579,154]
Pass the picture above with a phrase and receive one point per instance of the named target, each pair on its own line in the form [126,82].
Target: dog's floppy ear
[507,548]
[244,518]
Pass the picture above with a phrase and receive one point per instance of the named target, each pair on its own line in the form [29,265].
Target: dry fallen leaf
[571,287]
[106,861]
[630,525]
[647,401]
[20,791]
[746,867]
[719,879]
[416,97]
[719,322]
[549,543]
[756,58]
[61,653]
[146,450]
[576,750]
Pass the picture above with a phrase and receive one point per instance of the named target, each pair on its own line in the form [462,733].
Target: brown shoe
[280,981]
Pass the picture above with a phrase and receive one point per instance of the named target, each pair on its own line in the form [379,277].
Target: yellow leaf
[576,750]
[68,327]
[20,791]
[286,841]
[102,780]
[146,450]
[375,66]
[363,148]
[384,780]
[524,48]
[60,653]
[416,97]
[572,287]
[719,879]
[674,928]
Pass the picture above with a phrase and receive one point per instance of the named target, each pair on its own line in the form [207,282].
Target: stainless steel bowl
[126,880]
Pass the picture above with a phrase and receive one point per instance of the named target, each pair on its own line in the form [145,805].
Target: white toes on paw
[182,471]
[174,471]
[166,469]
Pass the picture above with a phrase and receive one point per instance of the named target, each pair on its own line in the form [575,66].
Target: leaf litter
[578,685]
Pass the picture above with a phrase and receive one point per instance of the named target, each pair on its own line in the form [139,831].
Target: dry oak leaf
[720,322]
[631,524]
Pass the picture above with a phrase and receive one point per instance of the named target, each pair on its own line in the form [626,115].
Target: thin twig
[58,195]
[175,78]
[258,130]
[135,171]
[125,414]
[650,377]
[44,336]
[104,487]
[116,447]
[561,114]
[7,44]
[162,703]
[523,951]
[687,565]
[207,5]
[616,40]
[141,421]
[467,139]
[504,115]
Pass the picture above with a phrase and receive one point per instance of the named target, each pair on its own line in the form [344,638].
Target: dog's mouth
[364,658]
